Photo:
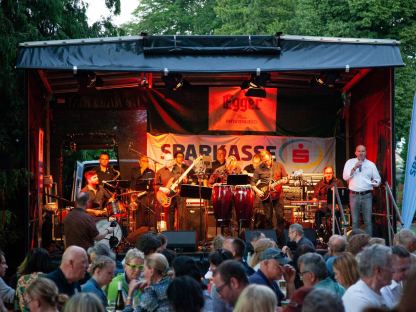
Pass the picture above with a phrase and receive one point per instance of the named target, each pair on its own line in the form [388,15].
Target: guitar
[166,199]
[274,187]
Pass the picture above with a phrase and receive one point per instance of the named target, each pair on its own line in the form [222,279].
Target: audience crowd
[356,273]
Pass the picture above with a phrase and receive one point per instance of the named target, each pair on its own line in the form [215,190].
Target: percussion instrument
[116,209]
[222,198]
[243,202]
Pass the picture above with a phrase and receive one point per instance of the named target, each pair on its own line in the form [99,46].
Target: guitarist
[178,169]
[164,178]
[264,176]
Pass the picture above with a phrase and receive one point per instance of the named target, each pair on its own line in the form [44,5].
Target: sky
[97,8]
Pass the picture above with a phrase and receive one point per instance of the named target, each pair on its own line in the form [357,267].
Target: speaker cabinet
[181,241]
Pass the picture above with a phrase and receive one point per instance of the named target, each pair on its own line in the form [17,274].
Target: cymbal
[146,179]
[116,181]
[133,192]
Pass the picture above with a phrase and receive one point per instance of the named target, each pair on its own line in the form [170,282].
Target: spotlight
[326,79]
[144,83]
[256,85]
[174,82]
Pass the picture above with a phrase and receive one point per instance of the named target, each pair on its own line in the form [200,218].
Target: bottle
[119,299]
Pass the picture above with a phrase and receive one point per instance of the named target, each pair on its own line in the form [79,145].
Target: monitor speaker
[181,241]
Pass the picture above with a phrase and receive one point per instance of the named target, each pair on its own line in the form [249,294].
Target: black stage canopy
[209,54]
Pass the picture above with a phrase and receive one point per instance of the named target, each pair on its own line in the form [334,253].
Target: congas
[222,198]
[116,209]
[104,224]
[243,202]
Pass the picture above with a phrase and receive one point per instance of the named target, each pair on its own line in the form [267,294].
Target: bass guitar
[166,199]
[273,188]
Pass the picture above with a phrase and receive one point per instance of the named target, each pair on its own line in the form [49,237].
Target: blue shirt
[92,286]
[260,279]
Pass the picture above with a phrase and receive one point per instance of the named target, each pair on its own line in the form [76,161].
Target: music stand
[197,191]
[238,179]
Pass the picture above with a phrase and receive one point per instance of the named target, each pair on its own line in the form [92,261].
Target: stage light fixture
[256,85]
[174,81]
[326,79]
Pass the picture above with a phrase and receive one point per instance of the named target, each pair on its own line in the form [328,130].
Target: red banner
[230,109]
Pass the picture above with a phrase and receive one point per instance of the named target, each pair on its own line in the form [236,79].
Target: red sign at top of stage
[230,109]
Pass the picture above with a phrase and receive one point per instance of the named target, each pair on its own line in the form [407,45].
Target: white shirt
[363,179]
[359,296]
[392,293]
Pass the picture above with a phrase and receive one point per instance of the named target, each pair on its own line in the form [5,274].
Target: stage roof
[206,60]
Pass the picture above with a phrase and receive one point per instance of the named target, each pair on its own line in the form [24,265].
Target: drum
[222,197]
[104,224]
[243,202]
[116,209]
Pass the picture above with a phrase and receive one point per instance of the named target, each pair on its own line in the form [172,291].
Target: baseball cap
[274,253]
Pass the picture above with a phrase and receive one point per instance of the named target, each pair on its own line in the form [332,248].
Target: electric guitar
[166,199]
[272,188]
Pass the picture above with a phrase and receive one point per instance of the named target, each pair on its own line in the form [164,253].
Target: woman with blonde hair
[84,302]
[155,285]
[257,298]
[102,270]
[346,270]
[42,296]
[259,246]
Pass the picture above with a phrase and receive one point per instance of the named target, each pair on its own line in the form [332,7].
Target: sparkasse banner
[229,109]
[296,153]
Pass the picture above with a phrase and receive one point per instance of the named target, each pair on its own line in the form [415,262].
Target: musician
[221,152]
[178,169]
[264,175]
[104,171]
[249,169]
[320,193]
[98,196]
[164,179]
[221,173]
[142,179]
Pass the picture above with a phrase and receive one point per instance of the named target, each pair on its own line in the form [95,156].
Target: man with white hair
[375,267]
[73,267]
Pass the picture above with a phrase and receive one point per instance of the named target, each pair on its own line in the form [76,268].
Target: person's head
[266,157]
[133,264]
[377,240]
[169,254]
[405,238]
[148,243]
[3,264]
[312,268]
[184,265]
[143,162]
[217,242]
[357,242]
[155,267]
[163,241]
[255,236]
[104,159]
[42,295]
[84,302]
[221,152]
[217,257]
[100,249]
[74,263]
[360,152]
[296,301]
[168,161]
[179,158]
[185,294]
[256,160]
[238,246]
[375,264]
[336,244]
[353,232]
[82,200]
[295,232]
[401,263]
[259,246]
[230,279]
[228,244]
[257,298]
[407,301]
[91,177]
[102,270]
[320,299]
[37,260]
[272,261]
[346,269]
[328,173]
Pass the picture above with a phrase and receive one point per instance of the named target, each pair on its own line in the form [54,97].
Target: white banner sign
[296,153]
[230,109]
